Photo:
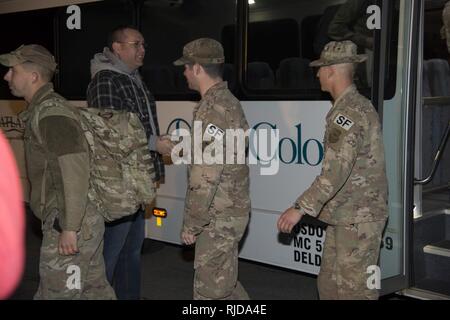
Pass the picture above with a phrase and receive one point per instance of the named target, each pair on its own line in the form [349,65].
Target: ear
[116,47]
[35,76]
[197,69]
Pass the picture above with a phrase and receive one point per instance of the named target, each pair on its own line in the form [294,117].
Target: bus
[268,45]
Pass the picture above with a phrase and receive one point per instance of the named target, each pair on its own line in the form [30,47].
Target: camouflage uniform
[445,31]
[350,194]
[217,201]
[59,175]
[350,23]
[58,169]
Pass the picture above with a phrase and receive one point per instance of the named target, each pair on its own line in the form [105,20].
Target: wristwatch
[297,206]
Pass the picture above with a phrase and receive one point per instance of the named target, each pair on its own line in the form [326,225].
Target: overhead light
[251,1]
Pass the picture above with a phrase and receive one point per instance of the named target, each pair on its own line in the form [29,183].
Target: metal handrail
[437,158]
[436,101]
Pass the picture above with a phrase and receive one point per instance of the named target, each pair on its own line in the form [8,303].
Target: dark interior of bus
[432,222]
[281,42]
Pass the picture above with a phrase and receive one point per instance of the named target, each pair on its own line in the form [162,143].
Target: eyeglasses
[135,44]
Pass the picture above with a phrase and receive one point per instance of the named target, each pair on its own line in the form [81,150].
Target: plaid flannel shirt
[114,90]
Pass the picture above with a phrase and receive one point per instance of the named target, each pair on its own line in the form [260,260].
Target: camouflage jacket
[352,187]
[218,189]
[350,23]
[57,159]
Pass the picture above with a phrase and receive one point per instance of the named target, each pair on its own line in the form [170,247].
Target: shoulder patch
[344,122]
[214,131]
[334,135]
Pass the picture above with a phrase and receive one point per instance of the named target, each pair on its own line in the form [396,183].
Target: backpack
[121,168]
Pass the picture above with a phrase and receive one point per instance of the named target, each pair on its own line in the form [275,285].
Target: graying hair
[346,69]
[45,73]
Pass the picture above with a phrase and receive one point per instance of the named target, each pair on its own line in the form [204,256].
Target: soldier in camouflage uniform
[350,194]
[445,31]
[71,263]
[217,202]
[350,23]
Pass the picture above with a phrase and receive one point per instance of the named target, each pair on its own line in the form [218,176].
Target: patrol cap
[337,52]
[29,53]
[203,51]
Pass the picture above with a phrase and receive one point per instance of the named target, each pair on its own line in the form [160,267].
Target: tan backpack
[122,171]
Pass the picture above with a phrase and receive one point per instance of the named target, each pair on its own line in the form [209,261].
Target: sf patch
[344,122]
[214,131]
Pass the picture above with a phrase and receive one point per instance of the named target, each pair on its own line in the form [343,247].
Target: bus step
[434,287]
[441,248]
[437,261]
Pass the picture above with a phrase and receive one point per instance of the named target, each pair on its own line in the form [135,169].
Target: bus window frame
[51,12]
[242,92]
[279,94]
[59,22]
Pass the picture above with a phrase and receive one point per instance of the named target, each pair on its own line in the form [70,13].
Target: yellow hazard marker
[159,214]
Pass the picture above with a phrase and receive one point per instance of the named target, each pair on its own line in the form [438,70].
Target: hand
[188,238]
[288,220]
[68,243]
[164,145]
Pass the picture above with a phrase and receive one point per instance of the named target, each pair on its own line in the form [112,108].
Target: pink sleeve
[12,219]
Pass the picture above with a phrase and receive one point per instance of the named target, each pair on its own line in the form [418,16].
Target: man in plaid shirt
[117,84]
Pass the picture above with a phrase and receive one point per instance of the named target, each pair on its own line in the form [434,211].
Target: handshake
[164,145]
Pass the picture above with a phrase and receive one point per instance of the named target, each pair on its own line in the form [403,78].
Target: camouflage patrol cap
[339,52]
[29,53]
[203,51]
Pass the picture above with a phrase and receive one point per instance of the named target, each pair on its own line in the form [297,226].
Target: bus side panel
[291,171]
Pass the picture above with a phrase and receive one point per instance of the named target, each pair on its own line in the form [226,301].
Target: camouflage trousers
[80,276]
[348,251]
[216,260]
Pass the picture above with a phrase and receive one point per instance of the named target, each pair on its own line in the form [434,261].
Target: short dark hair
[214,70]
[116,34]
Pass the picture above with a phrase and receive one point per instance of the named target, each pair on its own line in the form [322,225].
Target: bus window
[77,47]
[167,27]
[436,83]
[284,36]
[24,28]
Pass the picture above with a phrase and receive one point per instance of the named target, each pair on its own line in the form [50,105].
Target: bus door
[431,215]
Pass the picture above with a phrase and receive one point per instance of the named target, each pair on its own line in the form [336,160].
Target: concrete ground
[167,273]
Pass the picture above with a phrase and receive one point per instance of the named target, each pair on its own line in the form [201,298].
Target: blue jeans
[122,253]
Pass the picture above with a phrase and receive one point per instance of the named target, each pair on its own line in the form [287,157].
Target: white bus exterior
[396,64]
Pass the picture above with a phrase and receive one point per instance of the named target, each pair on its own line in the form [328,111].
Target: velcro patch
[334,135]
[344,122]
[214,131]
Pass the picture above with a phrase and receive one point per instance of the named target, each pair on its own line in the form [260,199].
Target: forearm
[323,189]
[75,178]
[203,184]
[335,172]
